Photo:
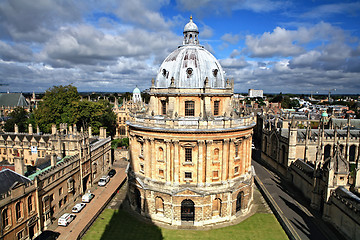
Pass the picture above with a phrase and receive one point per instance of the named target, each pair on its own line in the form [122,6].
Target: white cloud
[230,38]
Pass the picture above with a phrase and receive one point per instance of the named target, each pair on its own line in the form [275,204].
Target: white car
[65,219]
[78,207]
[103,180]
[87,197]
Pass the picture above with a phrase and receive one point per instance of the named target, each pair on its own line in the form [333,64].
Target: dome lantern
[191,33]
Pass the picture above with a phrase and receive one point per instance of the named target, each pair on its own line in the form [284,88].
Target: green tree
[61,104]
[57,107]
[19,117]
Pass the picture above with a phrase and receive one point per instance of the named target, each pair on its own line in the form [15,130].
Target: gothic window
[188,154]
[189,108]
[216,108]
[327,151]
[163,107]
[352,153]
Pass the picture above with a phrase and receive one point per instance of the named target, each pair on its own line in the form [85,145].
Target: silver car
[78,207]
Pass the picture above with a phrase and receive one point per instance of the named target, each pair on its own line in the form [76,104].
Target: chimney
[16,128]
[30,129]
[53,157]
[53,129]
[19,165]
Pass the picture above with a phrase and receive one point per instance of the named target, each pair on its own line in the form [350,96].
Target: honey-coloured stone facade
[190,151]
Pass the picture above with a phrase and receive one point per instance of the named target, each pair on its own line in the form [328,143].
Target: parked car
[112,173]
[78,207]
[103,180]
[87,197]
[65,219]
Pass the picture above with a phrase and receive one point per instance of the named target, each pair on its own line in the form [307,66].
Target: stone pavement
[83,219]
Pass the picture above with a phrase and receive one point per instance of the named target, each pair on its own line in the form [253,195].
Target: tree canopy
[20,117]
[62,104]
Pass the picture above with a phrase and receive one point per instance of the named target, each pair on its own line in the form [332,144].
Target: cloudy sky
[289,46]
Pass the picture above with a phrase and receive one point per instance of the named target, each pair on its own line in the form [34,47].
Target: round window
[189,71]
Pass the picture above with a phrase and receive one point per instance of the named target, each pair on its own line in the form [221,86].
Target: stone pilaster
[225,158]
[168,162]
[208,161]
[200,163]
[176,162]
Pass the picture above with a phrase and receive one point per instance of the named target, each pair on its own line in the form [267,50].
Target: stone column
[176,162]
[208,161]
[152,159]
[147,159]
[243,157]
[225,158]
[168,162]
[231,158]
[200,179]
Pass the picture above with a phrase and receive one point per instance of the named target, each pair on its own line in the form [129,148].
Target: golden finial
[190,17]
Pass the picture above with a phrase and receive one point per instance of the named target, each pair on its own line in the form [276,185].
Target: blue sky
[277,46]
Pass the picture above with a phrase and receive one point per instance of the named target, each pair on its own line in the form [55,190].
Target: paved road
[102,195]
[304,223]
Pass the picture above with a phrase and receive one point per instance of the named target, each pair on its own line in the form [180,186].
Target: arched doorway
[238,201]
[136,201]
[187,210]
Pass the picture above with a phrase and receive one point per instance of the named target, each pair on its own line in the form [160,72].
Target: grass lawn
[114,224]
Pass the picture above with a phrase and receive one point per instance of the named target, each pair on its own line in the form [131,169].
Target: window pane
[189,108]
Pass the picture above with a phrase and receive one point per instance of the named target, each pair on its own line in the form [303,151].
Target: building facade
[77,161]
[190,151]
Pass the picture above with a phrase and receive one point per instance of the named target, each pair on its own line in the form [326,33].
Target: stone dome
[190,64]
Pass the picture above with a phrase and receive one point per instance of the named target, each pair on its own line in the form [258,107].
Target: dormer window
[215,72]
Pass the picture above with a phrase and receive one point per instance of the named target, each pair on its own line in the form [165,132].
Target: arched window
[239,201]
[327,151]
[216,154]
[274,147]
[217,207]
[283,154]
[18,211]
[161,154]
[352,153]
[30,204]
[159,205]
[236,150]
[6,218]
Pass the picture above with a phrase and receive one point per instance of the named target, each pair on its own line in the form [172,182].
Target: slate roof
[8,178]
[13,100]
[355,123]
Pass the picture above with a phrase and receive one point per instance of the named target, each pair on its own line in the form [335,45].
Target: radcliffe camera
[179,120]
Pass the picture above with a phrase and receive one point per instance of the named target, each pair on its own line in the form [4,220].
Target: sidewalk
[85,217]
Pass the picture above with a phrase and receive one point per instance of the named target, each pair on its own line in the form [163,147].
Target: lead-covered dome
[190,64]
